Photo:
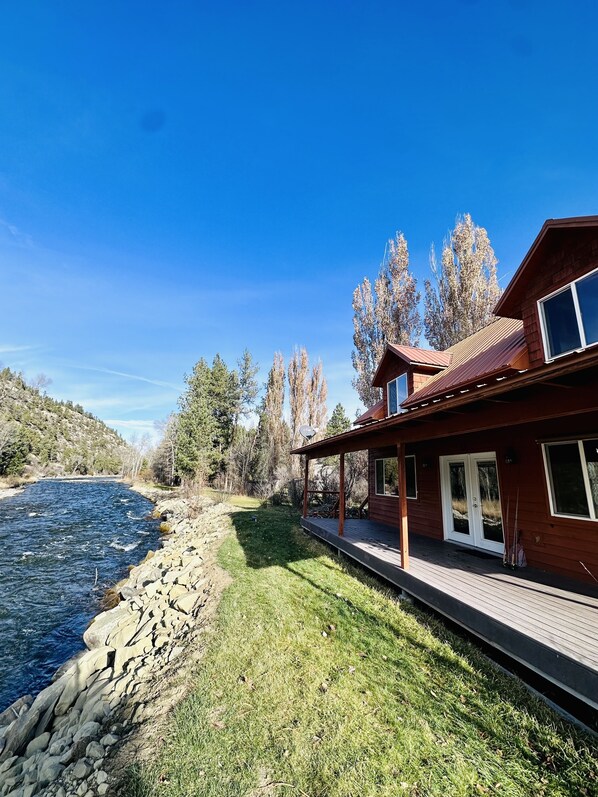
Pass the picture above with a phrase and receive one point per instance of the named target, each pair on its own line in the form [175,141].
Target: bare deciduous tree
[316,400]
[387,314]
[465,290]
[40,382]
[298,374]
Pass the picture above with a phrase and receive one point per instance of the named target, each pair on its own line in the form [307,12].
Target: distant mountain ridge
[39,434]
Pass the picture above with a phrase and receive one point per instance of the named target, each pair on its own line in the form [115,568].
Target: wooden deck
[548,623]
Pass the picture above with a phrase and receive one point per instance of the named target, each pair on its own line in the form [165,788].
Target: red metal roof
[410,355]
[374,413]
[415,356]
[496,350]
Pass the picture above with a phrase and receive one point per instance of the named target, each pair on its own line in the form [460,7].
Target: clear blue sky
[178,179]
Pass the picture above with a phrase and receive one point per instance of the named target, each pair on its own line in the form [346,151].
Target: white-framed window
[569,317]
[572,474]
[396,394]
[387,476]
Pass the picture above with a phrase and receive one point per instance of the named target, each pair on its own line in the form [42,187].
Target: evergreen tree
[224,395]
[195,456]
[339,421]
[466,288]
[387,314]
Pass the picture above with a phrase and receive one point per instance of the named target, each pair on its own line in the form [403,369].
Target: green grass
[319,682]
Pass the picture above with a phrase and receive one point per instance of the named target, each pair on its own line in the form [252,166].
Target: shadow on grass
[446,663]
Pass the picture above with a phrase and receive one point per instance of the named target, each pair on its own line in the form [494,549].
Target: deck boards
[549,623]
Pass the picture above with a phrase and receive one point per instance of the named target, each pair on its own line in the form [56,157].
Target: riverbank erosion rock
[66,741]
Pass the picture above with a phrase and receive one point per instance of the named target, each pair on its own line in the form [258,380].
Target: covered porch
[547,622]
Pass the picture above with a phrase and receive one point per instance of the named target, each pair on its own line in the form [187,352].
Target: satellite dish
[307,432]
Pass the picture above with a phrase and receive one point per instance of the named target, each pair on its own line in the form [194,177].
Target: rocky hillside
[41,435]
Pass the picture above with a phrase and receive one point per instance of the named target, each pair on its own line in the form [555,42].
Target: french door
[471,501]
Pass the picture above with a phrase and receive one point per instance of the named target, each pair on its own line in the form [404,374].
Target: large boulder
[79,678]
[97,633]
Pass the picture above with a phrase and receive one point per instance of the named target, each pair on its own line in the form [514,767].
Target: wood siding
[416,377]
[551,543]
[576,255]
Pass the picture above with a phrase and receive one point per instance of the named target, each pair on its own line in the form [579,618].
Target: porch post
[341,496]
[403,522]
[305,488]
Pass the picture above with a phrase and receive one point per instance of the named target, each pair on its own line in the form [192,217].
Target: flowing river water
[61,544]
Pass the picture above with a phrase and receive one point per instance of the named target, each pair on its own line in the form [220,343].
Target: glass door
[486,500]
[471,501]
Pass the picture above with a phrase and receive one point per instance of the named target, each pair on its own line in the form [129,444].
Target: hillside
[41,435]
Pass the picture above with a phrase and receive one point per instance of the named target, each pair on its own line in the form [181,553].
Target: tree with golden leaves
[388,313]
[465,290]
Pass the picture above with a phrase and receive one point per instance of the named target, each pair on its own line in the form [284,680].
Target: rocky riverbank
[80,733]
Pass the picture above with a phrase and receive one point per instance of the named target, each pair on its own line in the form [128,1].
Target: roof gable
[554,232]
[412,357]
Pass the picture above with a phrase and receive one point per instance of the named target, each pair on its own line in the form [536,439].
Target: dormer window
[570,317]
[397,393]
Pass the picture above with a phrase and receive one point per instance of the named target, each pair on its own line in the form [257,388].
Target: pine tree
[339,421]
[465,290]
[224,395]
[387,314]
[197,426]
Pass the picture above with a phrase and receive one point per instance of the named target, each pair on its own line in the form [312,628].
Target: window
[572,469]
[387,476]
[397,393]
[570,317]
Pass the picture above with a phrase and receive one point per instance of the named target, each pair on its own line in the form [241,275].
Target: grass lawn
[319,682]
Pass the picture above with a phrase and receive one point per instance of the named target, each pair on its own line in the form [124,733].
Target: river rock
[87,731]
[38,745]
[82,769]
[187,603]
[80,678]
[49,770]
[15,710]
[22,730]
[97,633]
[94,750]
[108,740]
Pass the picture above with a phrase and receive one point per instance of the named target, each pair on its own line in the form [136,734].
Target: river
[62,543]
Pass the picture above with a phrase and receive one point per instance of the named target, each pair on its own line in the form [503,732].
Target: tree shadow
[266,542]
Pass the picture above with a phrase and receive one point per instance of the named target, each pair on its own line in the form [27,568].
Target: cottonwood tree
[272,438]
[388,313]
[298,374]
[307,395]
[465,289]
[317,393]
[164,460]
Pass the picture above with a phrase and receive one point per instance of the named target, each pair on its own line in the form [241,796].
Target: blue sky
[185,178]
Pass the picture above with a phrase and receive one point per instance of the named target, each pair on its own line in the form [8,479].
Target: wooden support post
[341,497]
[403,520]
[306,486]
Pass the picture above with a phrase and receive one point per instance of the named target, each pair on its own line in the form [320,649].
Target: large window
[387,476]
[572,469]
[397,393]
[570,317]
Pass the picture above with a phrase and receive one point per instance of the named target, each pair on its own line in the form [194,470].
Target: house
[496,439]
[491,449]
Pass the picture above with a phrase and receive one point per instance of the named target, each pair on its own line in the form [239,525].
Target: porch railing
[327,507]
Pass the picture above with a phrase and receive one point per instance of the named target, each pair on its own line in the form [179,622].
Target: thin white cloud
[9,348]
[135,377]
[15,235]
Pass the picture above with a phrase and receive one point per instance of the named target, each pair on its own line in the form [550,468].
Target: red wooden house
[492,446]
